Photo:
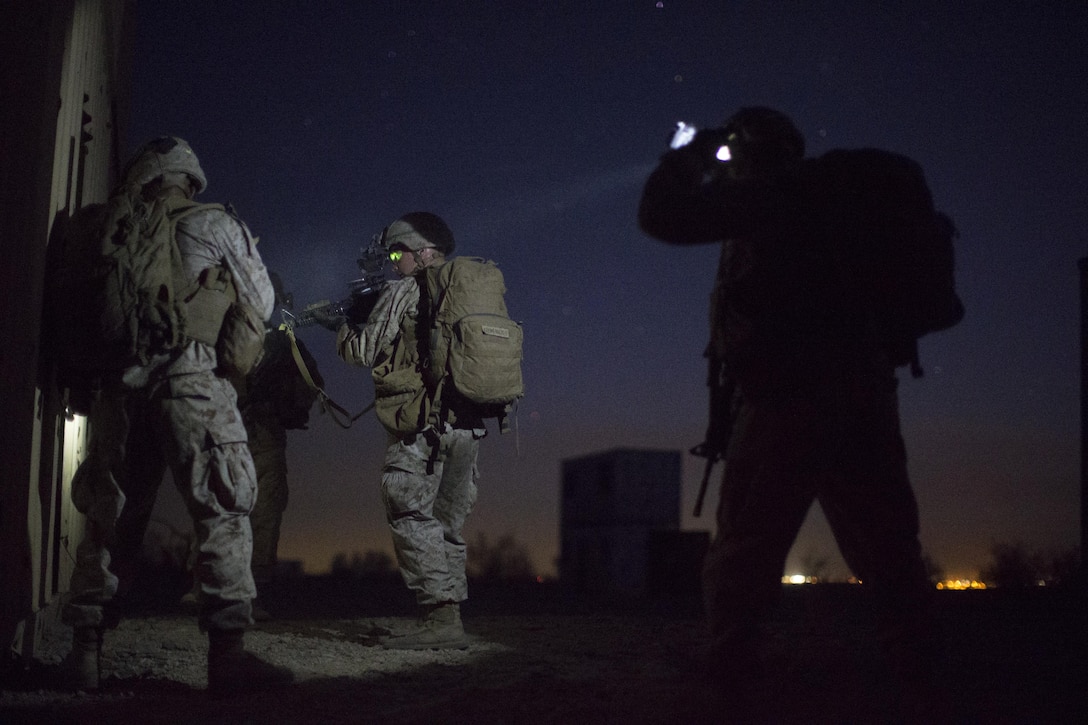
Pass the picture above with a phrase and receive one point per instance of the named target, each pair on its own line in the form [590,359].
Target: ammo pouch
[241,341]
[215,317]
[401,401]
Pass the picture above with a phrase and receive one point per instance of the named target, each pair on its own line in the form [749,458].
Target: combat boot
[439,627]
[80,669]
[232,670]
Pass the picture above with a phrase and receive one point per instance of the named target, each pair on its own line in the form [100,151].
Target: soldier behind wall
[274,398]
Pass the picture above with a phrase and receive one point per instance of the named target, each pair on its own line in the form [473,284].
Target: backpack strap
[206,299]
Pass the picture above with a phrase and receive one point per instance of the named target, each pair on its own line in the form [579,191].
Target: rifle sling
[337,412]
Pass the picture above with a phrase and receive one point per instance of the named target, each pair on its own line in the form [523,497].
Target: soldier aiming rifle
[363,294]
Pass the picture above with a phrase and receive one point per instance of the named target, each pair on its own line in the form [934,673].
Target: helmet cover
[166,154]
[418,230]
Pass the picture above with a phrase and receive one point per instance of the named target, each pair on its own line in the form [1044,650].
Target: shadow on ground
[539,655]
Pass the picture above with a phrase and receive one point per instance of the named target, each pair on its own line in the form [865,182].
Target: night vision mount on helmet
[756,135]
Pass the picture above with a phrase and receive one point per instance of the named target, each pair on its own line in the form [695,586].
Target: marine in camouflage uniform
[814,412]
[429,474]
[274,398]
[176,412]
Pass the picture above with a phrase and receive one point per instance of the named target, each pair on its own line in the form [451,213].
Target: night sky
[531,127]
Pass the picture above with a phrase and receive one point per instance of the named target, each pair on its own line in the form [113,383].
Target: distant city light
[961,584]
[951,584]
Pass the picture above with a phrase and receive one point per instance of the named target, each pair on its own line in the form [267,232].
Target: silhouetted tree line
[934,571]
[1014,564]
[502,560]
[370,563]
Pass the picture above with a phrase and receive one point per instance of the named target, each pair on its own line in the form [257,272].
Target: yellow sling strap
[337,412]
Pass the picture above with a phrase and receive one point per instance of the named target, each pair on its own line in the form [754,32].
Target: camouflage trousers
[191,424]
[845,451]
[269,449]
[429,488]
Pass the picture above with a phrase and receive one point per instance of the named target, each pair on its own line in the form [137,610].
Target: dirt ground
[539,656]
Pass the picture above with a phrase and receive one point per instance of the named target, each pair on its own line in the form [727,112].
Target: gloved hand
[328,319]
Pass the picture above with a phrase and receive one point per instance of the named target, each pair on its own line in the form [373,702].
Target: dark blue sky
[530,127]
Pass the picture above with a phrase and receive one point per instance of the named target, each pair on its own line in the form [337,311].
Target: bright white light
[723,154]
[797,578]
[683,135]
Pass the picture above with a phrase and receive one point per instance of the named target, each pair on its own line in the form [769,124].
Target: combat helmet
[166,154]
[764,135]
[417,230]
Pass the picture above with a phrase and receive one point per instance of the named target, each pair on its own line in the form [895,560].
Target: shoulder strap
[176,207]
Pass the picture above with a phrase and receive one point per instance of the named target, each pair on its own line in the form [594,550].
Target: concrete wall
[64,67]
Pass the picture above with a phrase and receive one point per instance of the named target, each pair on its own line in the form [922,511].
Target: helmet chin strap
[418,256]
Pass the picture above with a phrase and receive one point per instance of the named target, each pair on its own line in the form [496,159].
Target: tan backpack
[474,345]
[116,293]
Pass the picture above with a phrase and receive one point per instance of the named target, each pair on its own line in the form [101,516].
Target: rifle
[362,292]
[719,428]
